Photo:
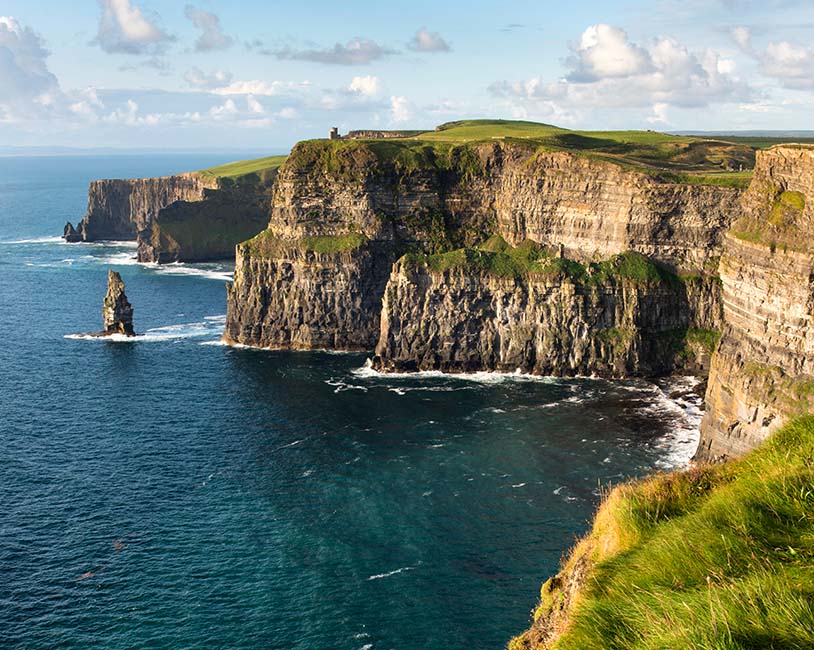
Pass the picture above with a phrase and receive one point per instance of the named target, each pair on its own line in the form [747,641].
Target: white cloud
[401,109]
[263,88]
[659,114]
[792,65]
[605,51]
[227,109]
[367,86]
[201,80]
[742,36]
[212,36]
[123,28]
[425,41]
[607,70]
[288,113]
[357,51]
[254,106]
[26,84]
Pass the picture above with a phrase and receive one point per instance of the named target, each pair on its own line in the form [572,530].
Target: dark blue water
[174,493]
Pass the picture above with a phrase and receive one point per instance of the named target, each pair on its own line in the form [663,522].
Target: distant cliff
[206,229]
[121,209]
[401,198]
[191,217]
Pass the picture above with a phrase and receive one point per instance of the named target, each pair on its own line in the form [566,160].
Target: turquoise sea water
[171,492]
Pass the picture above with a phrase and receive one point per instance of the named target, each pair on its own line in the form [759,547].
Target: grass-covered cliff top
[670,158]
[717,557]
[257,169]
[496,257]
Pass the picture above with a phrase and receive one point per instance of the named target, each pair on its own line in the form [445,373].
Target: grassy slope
[720,557]
[241,168]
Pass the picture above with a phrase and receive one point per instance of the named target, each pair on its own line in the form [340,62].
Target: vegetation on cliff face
[775,220]
[497,257]
[717,557]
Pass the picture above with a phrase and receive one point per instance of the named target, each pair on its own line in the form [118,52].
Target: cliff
[472,310]
[429,199]
[121,209]
[763,371]
[206,229]
[308,293]
[191,217]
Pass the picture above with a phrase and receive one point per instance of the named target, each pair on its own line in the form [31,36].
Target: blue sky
[261,75]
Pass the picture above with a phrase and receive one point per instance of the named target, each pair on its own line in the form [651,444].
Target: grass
[708,339]
[266,244]
[496,257]
[718,557]
[452,147]
[778,226]
[251,170]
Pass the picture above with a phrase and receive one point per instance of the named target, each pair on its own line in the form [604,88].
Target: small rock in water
[116,310]
[70,234]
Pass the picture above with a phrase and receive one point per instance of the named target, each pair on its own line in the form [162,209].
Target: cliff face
[121,209]
[301,294]
[464,319]
[763,371]
[411,197]
[593,208]
[205,229]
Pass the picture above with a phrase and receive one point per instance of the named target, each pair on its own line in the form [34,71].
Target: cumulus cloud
[26,83]
[212,36]
[790,64]
[123,28]
[743,37]
[426,41]
[264,88]
[401,109]
[357,51]
[201,80]
[607,70]
[254,106]
[605,51]
[367,86]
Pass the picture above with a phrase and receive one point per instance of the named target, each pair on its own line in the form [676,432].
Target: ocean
[173,492]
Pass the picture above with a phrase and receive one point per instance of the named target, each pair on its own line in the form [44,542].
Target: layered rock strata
[763,371]
[117,312]
[413,198]
[463,319]
[206,229]
[120,209]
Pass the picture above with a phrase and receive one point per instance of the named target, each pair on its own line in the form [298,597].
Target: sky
[260,75]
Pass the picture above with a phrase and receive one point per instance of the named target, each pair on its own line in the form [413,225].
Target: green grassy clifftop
[718,557]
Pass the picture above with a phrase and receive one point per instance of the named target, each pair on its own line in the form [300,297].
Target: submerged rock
[116,310]
[70,235]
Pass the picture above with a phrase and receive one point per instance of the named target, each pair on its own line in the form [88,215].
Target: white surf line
[379,576]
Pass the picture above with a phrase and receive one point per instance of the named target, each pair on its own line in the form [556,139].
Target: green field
[718,557]
[245,168]
[724,161]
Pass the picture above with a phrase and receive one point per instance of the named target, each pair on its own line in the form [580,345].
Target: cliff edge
[763,371]
[323,274]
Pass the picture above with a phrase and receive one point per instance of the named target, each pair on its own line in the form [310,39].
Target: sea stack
[116,310]
[70,234]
